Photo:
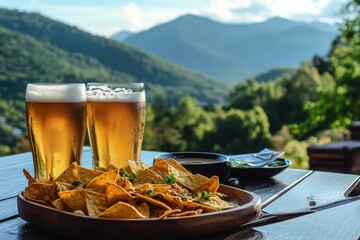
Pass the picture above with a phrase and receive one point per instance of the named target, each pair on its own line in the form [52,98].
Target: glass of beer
[56,123]
[115,122]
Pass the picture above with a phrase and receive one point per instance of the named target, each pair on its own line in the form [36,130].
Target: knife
[269,218]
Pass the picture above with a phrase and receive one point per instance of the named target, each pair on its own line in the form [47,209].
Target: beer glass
[56,123]
[115,122]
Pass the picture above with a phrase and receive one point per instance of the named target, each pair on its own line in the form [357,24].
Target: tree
[339,102]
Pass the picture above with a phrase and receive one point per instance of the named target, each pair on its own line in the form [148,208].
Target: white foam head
[131,92]
[43,92]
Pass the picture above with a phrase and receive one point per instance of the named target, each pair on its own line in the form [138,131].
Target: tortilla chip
[69,175]
[217,203]
[122,210]
[96,203]
[161,166]
[29,177]
[152,201]
[187,213]
[59,204]
[115,193]
[98,183]
[188,180]
[85,173]
[143,208]
[211,185]
[172,162]
[111,167]
[168,212]
[74,199]
[63,186]
[148,176]
[172,201]
[79,212]
[41,193]
[136,167]
[188,206]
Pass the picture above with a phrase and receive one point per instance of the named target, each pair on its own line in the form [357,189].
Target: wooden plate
[86,227]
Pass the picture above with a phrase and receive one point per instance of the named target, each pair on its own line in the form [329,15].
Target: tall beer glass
[56,123]
[115,122]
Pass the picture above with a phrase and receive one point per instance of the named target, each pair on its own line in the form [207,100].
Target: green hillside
[112,61]
[24,59]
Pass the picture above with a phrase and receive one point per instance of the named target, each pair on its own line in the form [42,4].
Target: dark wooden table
[290,190]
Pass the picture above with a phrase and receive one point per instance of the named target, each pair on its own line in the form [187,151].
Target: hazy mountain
[121,36]
[235,51]
[74,48]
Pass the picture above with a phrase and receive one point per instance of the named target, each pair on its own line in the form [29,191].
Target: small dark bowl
[259,172]
[207,164]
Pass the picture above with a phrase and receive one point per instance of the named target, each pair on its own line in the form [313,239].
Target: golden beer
[115,122]
[56,121]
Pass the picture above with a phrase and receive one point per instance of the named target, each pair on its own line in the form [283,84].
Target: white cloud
[128,15]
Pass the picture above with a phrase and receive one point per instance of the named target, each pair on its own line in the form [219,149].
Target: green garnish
[76,183]
[149,191]
[126,175]
[138,172]
[169,179]
[204,194]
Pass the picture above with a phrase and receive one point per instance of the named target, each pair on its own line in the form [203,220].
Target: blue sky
[105,17]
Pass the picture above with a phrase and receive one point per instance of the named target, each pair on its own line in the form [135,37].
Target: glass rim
[56,84]
[130,85]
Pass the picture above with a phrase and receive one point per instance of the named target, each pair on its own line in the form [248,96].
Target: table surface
[288,191]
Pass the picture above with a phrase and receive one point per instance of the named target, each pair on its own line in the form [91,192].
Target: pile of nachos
[164,190]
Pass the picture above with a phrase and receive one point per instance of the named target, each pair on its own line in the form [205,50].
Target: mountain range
[233,52]
[34,48]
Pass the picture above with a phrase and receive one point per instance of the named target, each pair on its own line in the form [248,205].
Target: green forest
[314,104]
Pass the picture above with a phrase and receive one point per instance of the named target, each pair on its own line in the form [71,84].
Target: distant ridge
[163,80]
[235,52]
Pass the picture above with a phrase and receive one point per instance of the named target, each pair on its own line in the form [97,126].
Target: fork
[268,218]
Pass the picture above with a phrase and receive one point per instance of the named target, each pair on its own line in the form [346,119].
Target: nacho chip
[168,212]
[151,201]
[111,167]
[161,167]
[187,213]
[142,207]
[74,199]
[172,162]
[135,167]
[148,176]
[59,204]
[217,203]
[189,205]
[122,210]
[40,193]
[29,177]
[69,175]
[96,203]
[172,201]
[98,183]
[188,180]
[212,185]
[79,212]
[115,193]
[63,186]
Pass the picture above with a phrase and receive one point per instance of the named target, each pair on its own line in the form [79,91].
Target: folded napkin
[259,159]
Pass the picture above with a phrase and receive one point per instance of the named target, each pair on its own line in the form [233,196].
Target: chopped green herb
[205,194]
[76,183]
[126,175]
[169,179]
[149,191]
[138,172]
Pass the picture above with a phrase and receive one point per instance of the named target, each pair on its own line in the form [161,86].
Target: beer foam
[105,94]
[72,92]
